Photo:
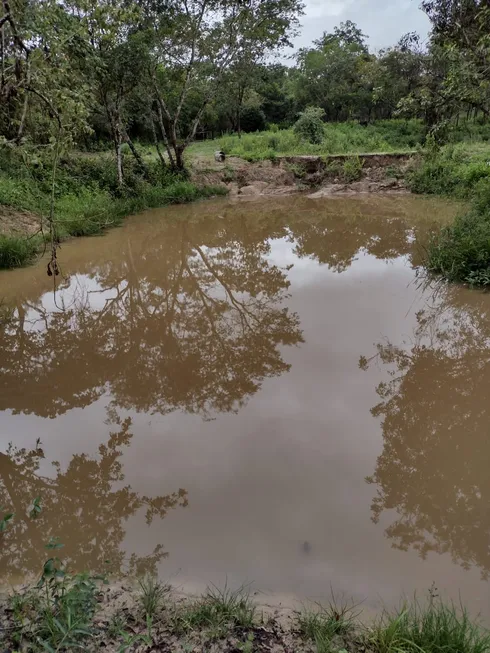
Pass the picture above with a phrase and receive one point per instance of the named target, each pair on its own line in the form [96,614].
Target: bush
[461,252]
[352,169]
[252,119]
[309,125]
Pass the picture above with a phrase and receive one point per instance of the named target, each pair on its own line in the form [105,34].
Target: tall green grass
[459,252]
[454,170]
[87,197]
[339,138]
[435,628]
[91,212]
[16,251]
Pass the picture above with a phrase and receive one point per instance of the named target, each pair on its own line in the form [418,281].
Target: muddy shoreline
[343,175]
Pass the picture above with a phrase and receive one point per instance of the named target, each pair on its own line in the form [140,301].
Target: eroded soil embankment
[333,175]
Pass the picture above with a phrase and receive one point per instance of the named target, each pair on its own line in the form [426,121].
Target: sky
[384,21]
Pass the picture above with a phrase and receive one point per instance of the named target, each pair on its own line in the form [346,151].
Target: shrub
[309,125]
[352,169]
[461,252]
[252,119]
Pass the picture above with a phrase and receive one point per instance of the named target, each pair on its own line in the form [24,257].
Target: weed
[130,639]
[58,613]
[217,611]
[433,628]
[248,645]
[394,172]
[116,626]
[229,174]
[352,169]
[322,623]
[298,170]
[4,521]
[152,595]
[461,251]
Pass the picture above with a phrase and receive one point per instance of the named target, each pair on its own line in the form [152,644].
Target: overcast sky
[384,21]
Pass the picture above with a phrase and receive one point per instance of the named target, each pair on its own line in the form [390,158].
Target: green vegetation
[324,624]
[87,199]
[218,612]
[336,138]
[16,251]
[460,252]
[435,627]
[309,126]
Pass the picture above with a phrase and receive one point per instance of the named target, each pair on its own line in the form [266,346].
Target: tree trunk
[164,133]
[155,141]
[136,154]
[179,157]
[23,117]
[118,145]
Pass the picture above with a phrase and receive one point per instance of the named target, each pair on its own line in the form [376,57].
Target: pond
[266,392]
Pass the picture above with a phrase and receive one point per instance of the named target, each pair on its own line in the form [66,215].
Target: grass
[323,623]
[459,252]
[454,170]
[434,628]
[56,615]
[16,251]
[217,612]
[87,198]
[339,138]
[62,614]
[152,595]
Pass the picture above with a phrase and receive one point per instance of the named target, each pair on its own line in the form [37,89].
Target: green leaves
[36,508]
[5,520]
[54,543]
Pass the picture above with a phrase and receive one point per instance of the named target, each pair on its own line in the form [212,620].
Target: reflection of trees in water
[192,319]
[81,504]
[337,240]
[185,323]
[433,469]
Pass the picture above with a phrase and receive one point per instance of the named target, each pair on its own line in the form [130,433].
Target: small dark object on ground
[219,156]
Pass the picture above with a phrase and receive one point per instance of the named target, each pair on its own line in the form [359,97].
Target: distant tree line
[87,72]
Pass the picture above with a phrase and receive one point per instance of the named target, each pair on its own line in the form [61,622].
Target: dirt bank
[332,175]
[147,617]
[14,222]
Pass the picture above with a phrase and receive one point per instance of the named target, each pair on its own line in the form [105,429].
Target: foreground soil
[179,624]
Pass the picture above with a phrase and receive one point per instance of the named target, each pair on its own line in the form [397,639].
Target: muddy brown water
[263,392]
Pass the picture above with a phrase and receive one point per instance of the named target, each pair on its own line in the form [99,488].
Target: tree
[331,73]
[398,73]
[200,40]
[461,30]
[40,84]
